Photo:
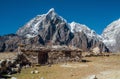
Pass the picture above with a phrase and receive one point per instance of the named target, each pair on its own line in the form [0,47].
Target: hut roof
[53,49]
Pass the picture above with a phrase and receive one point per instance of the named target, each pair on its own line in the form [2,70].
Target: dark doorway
[42,58]
[67,54]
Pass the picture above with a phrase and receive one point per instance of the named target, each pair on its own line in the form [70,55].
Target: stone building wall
[52,56]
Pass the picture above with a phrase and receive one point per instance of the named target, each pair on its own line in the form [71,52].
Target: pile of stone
[11,66]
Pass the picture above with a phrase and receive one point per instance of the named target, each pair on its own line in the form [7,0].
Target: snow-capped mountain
[111,36]
[52,29]
[76,27]
[39,23]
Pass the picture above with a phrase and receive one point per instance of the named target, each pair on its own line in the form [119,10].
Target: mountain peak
[40,22]
[51,11]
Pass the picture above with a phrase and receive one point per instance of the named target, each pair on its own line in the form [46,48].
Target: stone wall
[64,56]
[49,56]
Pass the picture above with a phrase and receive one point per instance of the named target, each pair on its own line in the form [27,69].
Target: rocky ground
[102,67]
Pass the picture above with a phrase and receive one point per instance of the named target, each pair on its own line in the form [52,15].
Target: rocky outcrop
[13,65]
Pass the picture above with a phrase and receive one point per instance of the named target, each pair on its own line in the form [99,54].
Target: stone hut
[52,54]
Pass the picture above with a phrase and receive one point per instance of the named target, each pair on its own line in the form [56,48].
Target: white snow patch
[30,36]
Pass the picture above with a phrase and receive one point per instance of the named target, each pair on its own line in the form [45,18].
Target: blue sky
[96,14]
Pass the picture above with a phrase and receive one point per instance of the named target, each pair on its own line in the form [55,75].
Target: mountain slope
[111,36]
[9,42]
[86,38]
[76,27]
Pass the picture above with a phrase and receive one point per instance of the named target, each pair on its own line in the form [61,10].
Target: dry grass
[75,70]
